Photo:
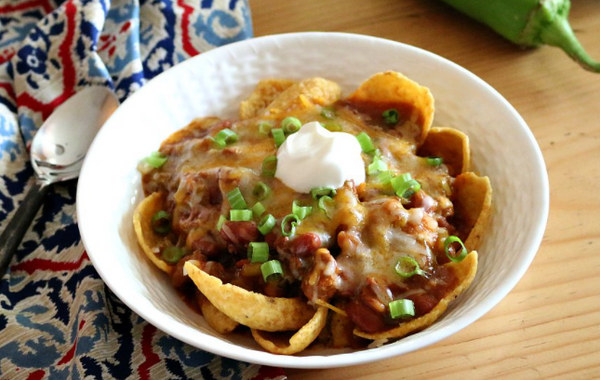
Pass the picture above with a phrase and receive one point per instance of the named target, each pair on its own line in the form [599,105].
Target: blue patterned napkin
[57,318]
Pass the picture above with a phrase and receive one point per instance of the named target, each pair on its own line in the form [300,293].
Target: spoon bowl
[60,145]
[57,153]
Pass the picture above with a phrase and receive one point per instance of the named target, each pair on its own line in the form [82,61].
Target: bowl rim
[365,356]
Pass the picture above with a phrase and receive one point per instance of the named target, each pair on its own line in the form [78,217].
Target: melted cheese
[374,249]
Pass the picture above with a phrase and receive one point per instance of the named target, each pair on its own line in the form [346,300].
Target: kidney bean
[238,235]
[305,244]
[364,317]
[205,246]
[424,303]
[272,239]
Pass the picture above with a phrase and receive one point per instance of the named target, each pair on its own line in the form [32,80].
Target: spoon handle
[13,233]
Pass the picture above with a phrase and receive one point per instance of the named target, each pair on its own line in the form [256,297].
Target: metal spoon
[57,153]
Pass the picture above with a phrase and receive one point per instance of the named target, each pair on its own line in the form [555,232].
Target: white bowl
[214,83]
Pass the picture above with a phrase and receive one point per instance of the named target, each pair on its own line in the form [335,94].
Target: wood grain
[549,325]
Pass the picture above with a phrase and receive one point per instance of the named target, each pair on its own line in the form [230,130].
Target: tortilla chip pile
[226,306]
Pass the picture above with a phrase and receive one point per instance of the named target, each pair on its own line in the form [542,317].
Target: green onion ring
[405,186]
[156,159]
[261,191]
[269,166]
[278,136]
[264,128]
[434,161]
[266,224]
[365,142]
[377,166]
[398,180]
[301,211]
[323,206]
[270,268]
[258,209]
[293,222]
[407,261]
[225,137]
[402,308]
[385,177]
[258,252]
[448,244]
[240,215]
[172,255]
[291,124]
[236,199]
[328,113]
[332,127]
[221,221]
[391,116]
[408,189]
[317,192]
[161,222]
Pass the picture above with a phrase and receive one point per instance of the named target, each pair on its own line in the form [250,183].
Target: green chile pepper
[530,23]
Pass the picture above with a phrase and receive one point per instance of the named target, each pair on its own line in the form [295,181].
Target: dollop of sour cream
[315,157]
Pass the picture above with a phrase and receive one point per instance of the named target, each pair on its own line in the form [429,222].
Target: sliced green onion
[293,221]
[332,127]
[240,215]
[172,255]
[403,308]
[266,224]
[258,252]
[271,268]
[365,142]
[225,137]
[398,180]
[328,113]
[222,220]
[407,267]
[261,191]
[434,161]
[236,199]
[408,189]
[301,211]
[156,159]
[321,191]
[269,166]
[161,222]
[377,166]
[258,209]
[264,128]
[291,124]
[405,186]
[402,178]
[391,116]
[326,204]
[278,136]
[219,144]
[385,177]
[463,251]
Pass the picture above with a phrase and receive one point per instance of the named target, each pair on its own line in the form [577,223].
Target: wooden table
[549,325]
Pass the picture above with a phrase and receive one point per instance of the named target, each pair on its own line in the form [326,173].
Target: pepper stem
[559,33]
